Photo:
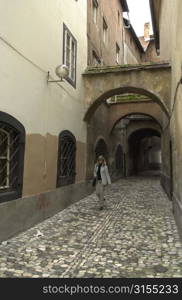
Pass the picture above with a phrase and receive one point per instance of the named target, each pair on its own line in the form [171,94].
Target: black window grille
[101,149]
[119,158]
[11,158]
[66,159]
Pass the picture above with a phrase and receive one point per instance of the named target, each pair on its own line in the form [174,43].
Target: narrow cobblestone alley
[135,236]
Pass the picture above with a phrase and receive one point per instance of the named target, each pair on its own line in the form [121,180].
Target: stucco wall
[107,52]
[176,123]
[132,54]
[171,48]
[31,44]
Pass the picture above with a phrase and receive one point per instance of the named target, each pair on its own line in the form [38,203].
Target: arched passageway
[144,152]
[119,123]
[140,137]
[151,80]
[101,149]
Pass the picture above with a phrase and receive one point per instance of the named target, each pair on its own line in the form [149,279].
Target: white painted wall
[31,43]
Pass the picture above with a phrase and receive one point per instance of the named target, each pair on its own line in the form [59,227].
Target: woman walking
[101,174]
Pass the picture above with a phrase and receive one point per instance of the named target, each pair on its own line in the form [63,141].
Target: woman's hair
[101,157]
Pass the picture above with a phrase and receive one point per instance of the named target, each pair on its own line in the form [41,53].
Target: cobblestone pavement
[135,236]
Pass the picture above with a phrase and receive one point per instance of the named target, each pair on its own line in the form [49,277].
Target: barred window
[66,159]
[69,54]
[11,157]
[4,159]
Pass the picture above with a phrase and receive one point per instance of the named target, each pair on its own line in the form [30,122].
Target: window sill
[73,83]
[9,195]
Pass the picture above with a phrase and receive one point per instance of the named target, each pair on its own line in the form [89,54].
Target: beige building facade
[111,38]
[110,103]
[41,124]
[169,47]
[31,45]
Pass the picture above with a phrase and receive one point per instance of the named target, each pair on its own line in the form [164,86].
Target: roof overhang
[124,5]
[155,6]
[135,37]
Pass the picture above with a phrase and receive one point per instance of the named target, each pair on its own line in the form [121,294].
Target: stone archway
[151,80]
[128,125]
[149,108]
[144,151]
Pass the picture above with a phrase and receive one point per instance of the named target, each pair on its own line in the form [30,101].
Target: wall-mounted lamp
[61,71]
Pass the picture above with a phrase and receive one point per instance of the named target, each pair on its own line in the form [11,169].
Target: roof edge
[137,41]
[124,5]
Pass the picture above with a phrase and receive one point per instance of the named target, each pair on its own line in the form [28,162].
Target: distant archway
[101,149]
[123,90]
[144,151]
[136,114]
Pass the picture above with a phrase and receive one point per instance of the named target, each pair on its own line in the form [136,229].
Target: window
[4,159]
[117,53]
[95,10]
[69,54]
[95,59]
[12,141]
[119,17]
[66,159]
[105,31]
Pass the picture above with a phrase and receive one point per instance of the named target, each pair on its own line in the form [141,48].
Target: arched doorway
[144,152]
[119,159]
[106,118]
[101,149]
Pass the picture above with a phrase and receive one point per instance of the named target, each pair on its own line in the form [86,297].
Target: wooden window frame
[95,6]
[70,59]
[105,31]
[117,53]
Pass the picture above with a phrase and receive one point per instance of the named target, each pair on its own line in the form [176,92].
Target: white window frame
[70,54]
[7,158]
[105,31]
[95,59]
[95,6]
[117,53]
